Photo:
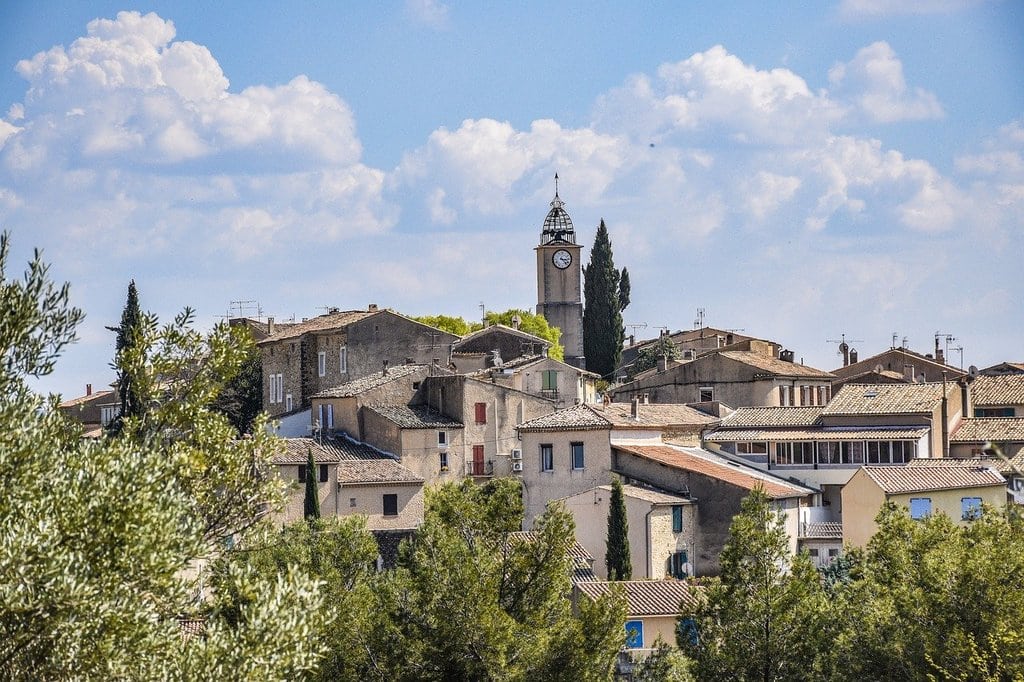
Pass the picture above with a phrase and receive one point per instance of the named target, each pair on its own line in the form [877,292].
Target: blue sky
[799,171]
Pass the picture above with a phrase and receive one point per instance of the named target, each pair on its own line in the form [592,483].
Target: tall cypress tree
[602,312]
[311,506]
[616,557]
[130,335]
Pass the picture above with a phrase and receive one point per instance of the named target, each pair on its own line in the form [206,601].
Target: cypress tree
[624,289]
[602,311]
[311,506]
[130,335]
[616,558]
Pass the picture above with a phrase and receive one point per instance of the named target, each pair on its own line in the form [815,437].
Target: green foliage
[663,664]
[475,599]
[531,323]
[311,503]
[130,335]
[101,541]
[340,554]
[624,289]
[446,323]
[617,558]
[765,617]
[602,312]
[241,400]
[648,356]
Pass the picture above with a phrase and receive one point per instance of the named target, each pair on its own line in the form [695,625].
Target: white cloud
[428,12]
[859,9]
[874,81]
[766,192]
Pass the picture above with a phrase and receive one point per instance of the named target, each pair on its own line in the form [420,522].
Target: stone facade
[548,378]
[368,499]
[397,386]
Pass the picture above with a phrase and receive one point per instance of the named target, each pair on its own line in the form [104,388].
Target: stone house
[325,351]
[746,374]
[957,490]
[93,411]
[717,485]
[661,529]
[429,444]
[912,366]
[652,607]
[340,408]
[690,344]
[570,451]
[996,396]
[546,377]
[495,346]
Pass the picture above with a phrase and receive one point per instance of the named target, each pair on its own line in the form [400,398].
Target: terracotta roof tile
[816,434]
[645,597]
[98,395]
[357,386]
[772,416]
[859,399]
[374,471]
[648,495]
[575,418]
[1005,467]
[982,429]
[652,414]
[330,450]
[827,530]
[709,464]
[321,323]
[774,365]
[912,479]
[989,391]
[415,417]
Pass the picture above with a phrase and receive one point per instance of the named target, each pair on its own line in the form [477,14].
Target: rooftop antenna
[634,327]
[698,323]
[960,350]
[947,337]
[556,184]
[243,305]
[483,314]
[844,347]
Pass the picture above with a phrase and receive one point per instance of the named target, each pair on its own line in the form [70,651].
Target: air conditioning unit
[517,466]
[517,454]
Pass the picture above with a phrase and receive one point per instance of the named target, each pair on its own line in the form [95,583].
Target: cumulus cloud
[874,81]
[872,9]
[428,12]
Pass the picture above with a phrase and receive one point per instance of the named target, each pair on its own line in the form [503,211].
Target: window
[677,564]
[343,360]
[351,501]
[443,456]
[302,473]
[634,634]
[326,420]
[677,518]
[321,363]
[288,403]
[821,395]
[549,380]
[785,396]
[752,448]
[480,410]
[993,412]
[442,438]
[970,508]
[478,460]
[920,507]
[391,505]
[797,454]
[833,553]
[277,388]
[813,553]
[323,473]
[547,460]
[577,455]
[706,394]
[107,414]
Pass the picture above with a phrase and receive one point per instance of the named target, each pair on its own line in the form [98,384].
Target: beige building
[495,346]
[340,408]
[428,443]
[955,490]
[652,607]
[997,396]
[94,410]
[570,451]
[690,344]
[745,374]
[318,354]
[546,377]
[661,529]
[897,361]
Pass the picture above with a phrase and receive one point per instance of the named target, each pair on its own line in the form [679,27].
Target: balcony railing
[480,468]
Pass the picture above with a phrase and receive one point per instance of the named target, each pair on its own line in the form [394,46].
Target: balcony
[480,468]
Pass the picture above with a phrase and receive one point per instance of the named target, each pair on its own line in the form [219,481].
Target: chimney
[647,399]
[270,326]
[384,371]
[632,339]
[853,356]
[844,348]
[662,363]
[372,308]
[940,356]
[88,389]
[908,373]
[634,410]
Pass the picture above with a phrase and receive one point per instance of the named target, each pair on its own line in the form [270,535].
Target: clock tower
[559,274]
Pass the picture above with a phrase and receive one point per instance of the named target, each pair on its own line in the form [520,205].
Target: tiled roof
[774,365]
[357,386]
[575,418]
[981,429]
[899,356]
[500,329]
[709,464]
[415,417]
[577,552]
[1006,468]
[860,399]
[645,597]
[373,471]
[330,450]
[192,627]
[912,479]
[1007,389]
[652,414]
[320,323]
[772,416]
[823,434]
[825,530]
[74,402]
[648,495]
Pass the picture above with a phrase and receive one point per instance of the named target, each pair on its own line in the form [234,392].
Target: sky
[801,172]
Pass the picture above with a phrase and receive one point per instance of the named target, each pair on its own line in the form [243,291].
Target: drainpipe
[647,550]
[945,414]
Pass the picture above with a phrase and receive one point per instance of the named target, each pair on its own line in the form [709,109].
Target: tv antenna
[634,327]
[242,306]
[943,336]
[698,322]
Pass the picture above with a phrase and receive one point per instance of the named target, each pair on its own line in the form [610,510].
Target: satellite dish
[972,371]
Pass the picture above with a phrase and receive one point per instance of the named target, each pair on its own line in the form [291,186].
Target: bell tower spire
[559,290]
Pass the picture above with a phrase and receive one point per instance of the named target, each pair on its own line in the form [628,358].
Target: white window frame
[572,456]
[288,402]
[343,360]
[710,390]
[548,465]
[442,438]
[321,363]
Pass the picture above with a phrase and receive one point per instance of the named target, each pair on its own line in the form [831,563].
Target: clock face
[562,259]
